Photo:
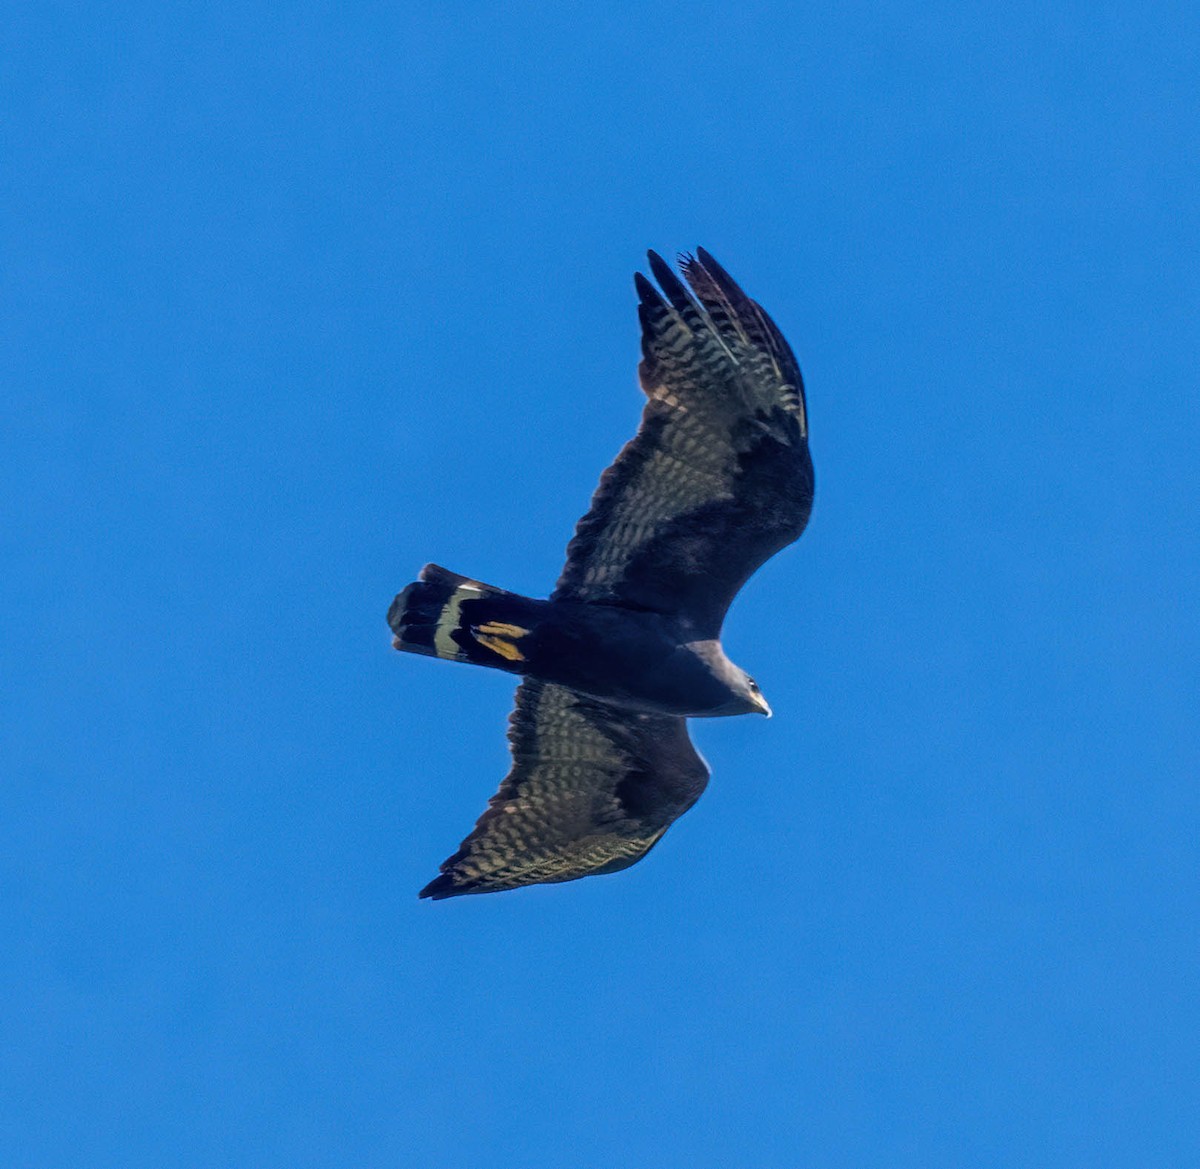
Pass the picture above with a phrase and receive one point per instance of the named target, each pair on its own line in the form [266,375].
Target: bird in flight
[627,648]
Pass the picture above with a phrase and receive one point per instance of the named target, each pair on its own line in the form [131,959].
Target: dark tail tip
[419,613]
[414,615]
[395,616]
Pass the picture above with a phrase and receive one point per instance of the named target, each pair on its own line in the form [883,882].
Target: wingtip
[441,887]
[663,271]
[673,288]
[716,272]
[646,291]
[659,266]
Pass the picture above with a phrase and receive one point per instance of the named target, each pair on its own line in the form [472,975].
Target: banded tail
[444,615]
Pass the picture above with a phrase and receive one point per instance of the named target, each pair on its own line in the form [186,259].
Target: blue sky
[296,301]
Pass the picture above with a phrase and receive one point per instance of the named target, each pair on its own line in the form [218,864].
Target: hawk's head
[744,696]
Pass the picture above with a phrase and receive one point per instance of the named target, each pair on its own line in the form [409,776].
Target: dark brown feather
[718,477]
[591,790]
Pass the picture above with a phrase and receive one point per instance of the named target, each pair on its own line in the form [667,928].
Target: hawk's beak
[760,704]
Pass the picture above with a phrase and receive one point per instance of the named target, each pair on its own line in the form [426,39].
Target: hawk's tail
[444,615]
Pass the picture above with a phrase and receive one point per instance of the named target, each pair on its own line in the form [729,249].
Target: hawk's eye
[753,685]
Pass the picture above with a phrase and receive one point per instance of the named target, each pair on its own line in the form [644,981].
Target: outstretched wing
[591,790]
[718,477]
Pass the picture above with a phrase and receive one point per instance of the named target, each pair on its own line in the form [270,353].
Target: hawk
[627,648]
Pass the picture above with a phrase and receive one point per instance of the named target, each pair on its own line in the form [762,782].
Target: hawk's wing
[718,477]
[591,790]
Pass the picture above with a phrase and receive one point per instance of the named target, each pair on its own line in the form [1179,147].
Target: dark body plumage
[717,479]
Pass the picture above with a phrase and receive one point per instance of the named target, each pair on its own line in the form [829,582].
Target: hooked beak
[760,704]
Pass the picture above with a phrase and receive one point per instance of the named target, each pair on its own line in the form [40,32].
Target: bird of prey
[717,479]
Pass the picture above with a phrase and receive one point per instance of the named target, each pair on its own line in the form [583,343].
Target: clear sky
[295,300]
